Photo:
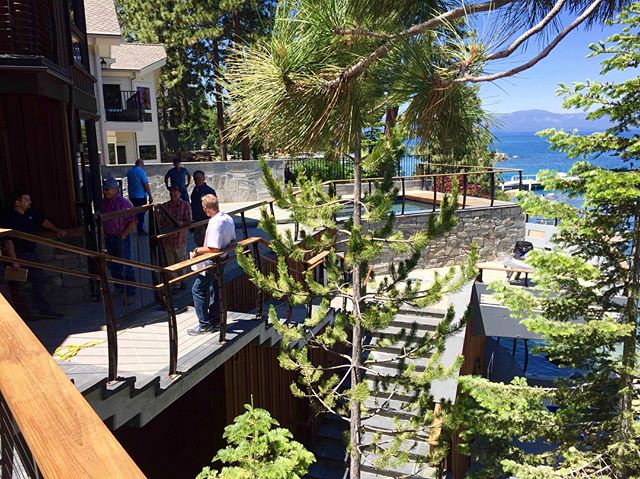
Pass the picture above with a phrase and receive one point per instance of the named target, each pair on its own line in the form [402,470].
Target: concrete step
[416,449]
[430,311]
[423,322]
[331,431]
[391,408]
[321,470]
[411,469]
[331,450]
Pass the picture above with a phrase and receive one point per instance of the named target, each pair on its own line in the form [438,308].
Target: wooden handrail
[65,436]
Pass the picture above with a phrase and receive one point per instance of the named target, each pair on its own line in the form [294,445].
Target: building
[128,76]
[47,107]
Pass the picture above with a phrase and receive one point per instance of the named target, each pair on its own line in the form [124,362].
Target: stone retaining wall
[232,180]
[495,230]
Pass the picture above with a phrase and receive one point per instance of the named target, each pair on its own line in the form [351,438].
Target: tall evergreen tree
[196,35]
[585,304]
[329,69]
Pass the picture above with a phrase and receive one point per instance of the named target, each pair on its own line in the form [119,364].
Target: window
[112,97]
[112,153]
[145,100]
[122,154]
[147,152]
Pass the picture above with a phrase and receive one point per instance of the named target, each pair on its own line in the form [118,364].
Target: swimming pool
[410,206]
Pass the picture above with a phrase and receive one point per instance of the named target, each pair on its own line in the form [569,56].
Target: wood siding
[474,363]
[35,155]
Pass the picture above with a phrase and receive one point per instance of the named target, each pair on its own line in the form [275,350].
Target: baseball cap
[109,183]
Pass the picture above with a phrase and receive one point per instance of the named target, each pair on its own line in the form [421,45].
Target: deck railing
[47,429]
[162,278]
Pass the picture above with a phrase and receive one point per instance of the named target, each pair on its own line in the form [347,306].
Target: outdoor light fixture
[103,63]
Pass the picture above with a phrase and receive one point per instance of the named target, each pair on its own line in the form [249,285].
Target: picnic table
[511,267]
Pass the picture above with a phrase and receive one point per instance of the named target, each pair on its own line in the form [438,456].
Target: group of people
[214,236]
[177,213]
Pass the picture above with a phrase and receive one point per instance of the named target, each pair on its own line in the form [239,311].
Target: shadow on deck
[144,388]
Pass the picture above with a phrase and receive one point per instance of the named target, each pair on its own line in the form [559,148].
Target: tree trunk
[629,343]
[245,147]
[219,106]
[356,349]
[390,121]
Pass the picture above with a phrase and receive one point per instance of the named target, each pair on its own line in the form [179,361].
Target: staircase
[330,443]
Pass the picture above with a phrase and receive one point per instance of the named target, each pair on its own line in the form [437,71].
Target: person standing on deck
[117,236]
[177,213]
[178,176]
[200,189]
[139,190]
[221,232]
[22,218]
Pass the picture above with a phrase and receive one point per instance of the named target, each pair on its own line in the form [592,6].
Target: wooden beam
[65,436]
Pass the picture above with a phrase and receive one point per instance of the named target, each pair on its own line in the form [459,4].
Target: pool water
[410,206]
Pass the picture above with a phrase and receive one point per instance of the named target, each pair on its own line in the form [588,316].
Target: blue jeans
[121,248]
[38,280]
[139,216]
[203,289]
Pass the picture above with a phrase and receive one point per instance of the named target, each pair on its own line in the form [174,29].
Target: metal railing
[161,278]
[127,106]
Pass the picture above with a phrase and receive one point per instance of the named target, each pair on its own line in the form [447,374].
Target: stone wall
[232,180]
[495,231]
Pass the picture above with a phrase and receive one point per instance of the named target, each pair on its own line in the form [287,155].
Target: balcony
[123,107]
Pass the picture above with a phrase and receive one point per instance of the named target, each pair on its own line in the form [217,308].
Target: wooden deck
[144,387]
[426,196]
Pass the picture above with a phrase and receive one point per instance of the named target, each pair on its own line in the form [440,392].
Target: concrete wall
[495,230]
[232,180]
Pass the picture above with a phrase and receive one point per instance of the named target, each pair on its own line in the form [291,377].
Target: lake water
[531,153]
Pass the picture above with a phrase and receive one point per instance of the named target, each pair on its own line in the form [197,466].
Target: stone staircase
[390,407]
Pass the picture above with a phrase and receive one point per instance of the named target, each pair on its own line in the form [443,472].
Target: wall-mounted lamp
[103,63]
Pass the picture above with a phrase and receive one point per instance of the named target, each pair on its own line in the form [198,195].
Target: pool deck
[426,196]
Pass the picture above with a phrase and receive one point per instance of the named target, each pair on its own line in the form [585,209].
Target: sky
[535,88]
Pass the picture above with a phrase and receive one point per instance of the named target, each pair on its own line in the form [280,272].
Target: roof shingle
[136,56]
[101,17]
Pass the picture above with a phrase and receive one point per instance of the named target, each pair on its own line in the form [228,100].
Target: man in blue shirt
[178,176]
[200,189]
[139,189]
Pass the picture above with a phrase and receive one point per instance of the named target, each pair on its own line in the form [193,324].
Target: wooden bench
[498,266]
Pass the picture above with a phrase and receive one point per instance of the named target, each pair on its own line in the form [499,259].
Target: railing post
[260,295]
[219,278]
[435,192]
[156,250]
[464,190]
[271,209]
[520,180]
[173,324]
[245,231]
[296,231]
[403,195]
[110,320]
[493,187]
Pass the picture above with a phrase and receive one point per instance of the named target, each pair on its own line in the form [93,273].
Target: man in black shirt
[22,218]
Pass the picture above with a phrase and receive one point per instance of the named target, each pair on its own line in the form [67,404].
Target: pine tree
[329,69]
[257,449]
[585,305]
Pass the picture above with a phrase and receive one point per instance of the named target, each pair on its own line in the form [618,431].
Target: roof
[136,56]
[101,17]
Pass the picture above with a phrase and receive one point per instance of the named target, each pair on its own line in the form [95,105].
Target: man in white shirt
[221,232]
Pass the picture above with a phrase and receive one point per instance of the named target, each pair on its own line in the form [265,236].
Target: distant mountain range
[536,120]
